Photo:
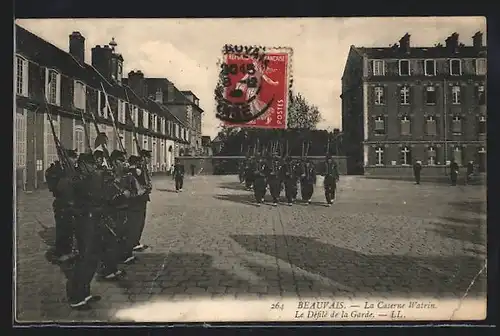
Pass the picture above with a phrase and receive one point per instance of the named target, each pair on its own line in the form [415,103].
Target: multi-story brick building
[50,80]
[403,103]
[184,105]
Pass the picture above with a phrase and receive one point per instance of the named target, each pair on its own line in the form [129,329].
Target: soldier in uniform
[259,180]
[137,213]
[60,184]
[307,180]
[453,172]
[331,174]
[273,178]
[417,169]
[289,178]
[91,198]
[241,170]
[100,143]
[470,172]
[178,175]
[250,165]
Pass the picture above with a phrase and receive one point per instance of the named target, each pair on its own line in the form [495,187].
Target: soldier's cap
[71,153]
[86,158]
[98,153]
[117,155]
[145,153]
[134,159]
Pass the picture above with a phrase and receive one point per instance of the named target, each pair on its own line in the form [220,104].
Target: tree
[301,114]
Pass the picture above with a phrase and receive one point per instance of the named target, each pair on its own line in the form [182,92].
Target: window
[113,68]
[405,126]
[405,156]
[145,142]
[145,119]
[159,95]
[79,139]
[456,125]
[455,67]
[430,67]
[50,151]
[481,95]
[482,125]
[379,156]
[379,95]
[430,95]
[92,134]
[21,137]
[457,155]
[101,102]
[404,94]
[378,70]
[176,131]
[404,67]
[53,87]
[455,95]
[169,128]
[110,133]
[481,66]
[79,94]
[379,125]
[431,128]
[162,121]
[431,156]
[154,153]
[21,76]
[122,106]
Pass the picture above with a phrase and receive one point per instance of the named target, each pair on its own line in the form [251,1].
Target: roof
[422,52]
[48,55]
[179,96]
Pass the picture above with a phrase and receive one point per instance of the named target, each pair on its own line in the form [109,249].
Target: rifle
[96,126]
[85,130]
[61,154]
[328,144]
[119,140]
[144,167]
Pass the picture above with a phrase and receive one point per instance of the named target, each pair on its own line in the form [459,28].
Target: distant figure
[178,175]
[192,169]
[470,172]
[417,168]
[453,172]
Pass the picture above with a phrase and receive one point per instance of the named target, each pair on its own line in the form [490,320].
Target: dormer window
[21,76]
[378,67]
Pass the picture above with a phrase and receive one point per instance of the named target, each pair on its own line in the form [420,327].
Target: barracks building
[73,87]
[404,103]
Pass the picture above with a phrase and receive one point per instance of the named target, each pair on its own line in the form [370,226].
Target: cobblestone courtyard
[380,238]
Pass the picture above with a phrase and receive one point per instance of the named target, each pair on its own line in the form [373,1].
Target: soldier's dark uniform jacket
[178,175]
[307,180]
[273,178]
[289,175]
[331,178]
[260,173]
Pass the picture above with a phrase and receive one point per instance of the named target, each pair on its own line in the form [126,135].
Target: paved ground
[381,238]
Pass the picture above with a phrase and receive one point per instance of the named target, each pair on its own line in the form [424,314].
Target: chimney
[77,46]
[101,60]
[404,43]
[477,40]
[452,42]
[170,92]
[137,83]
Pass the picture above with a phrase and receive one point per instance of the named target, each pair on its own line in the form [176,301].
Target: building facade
[184,105]
[50,80]
[401,104]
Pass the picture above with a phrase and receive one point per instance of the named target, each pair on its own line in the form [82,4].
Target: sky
[186,51]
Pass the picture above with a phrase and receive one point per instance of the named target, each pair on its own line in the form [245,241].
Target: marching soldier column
[100,200]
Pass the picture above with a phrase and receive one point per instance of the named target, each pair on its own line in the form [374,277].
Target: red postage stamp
[254,87]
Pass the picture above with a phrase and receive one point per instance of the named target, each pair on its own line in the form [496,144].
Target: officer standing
[60,184]
[417,169]
[331,179]
[178,175]
[470,172]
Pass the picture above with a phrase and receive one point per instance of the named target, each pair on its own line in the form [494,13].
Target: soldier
[91,200]
[470,172]
[178,175]
[250,166]
[453,172]
[137,214]
[259,180]
[241,170]
[331,174]
[60,184]
[100,143]
[307,180]
[289,177]
[273,178]
[125,184]
[417,168]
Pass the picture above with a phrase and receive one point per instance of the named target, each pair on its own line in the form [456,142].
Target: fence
[226,165]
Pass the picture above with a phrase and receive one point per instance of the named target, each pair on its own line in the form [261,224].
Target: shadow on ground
[476,207]
[238,198]
[471,233]
[166,190]
[392,275]
[232,185]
